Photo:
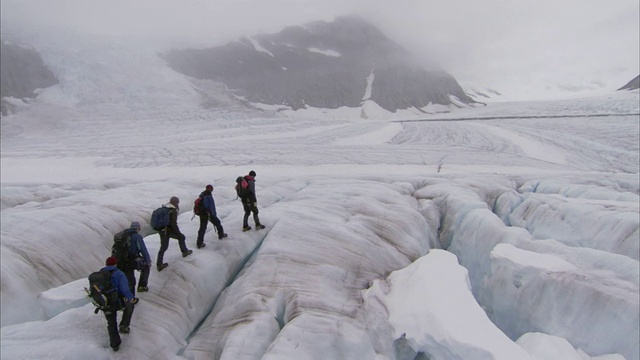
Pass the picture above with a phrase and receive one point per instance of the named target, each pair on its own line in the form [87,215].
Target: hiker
[208,213]
[171,231]
[249,201]
[120,283]
[139,259]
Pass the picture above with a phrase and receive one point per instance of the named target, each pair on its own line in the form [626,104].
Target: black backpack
[121,248]
[102,292]
[242,188]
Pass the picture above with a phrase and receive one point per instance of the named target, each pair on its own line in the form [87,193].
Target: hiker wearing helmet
[208,213]
[247,193]
[171,231]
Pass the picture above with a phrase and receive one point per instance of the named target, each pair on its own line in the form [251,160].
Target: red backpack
[242,188]
[198,206]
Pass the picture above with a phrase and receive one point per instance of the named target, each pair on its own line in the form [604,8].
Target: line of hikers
[113,288]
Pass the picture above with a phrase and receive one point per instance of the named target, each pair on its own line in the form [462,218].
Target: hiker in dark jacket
[250,203]
[171,231]
[138,248]
[208,213]
[120,283]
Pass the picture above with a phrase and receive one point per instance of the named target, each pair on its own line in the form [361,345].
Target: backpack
[102,292]
[198,206]
[121,248]
[242,188]
[160,218]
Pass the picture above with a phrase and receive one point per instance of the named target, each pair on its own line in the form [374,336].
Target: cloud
[543,39]
[577,42]
[190,21]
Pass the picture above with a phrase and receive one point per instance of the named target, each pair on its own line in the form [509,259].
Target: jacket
[119,281]
[252,188]
[208,203]
[173,219]
[138,247]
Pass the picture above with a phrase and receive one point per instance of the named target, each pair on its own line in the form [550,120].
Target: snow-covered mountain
[21,73]
[632,85]
[103,74]
[323,65]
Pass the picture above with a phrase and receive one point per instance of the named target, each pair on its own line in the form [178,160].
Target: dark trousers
[131,277]
[112,324]
[164,243]
[204,221]
[248,209]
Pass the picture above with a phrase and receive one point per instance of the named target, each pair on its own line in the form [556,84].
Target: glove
[130,303]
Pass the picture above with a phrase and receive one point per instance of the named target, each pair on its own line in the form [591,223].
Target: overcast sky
[474,40]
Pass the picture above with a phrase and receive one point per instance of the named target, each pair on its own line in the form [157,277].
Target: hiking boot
[160,267]
[187,253]
[258,227]
[222,236]
[115,348]
[246,228]
[201,245]
[143,289]
[124,329]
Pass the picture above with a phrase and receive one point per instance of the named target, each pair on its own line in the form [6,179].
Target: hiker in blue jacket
[138,250]
[120,283]
[208,213]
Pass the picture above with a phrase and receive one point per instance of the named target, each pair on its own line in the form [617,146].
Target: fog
[570,46]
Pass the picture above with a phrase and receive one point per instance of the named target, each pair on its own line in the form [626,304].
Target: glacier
[508,231]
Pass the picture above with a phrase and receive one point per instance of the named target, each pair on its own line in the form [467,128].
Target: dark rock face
[323,65]
[21,73]
[632,85]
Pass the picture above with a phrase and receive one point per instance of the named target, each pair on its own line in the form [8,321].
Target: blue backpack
[160,218]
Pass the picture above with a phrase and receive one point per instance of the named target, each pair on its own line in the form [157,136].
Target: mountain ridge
[632,85]
[22,72]
[322,65]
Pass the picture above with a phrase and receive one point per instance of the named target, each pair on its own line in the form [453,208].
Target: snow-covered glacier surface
[504,232]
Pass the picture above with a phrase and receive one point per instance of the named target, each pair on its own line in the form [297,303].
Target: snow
[369,88]
[325,52]
[531,148]
[259,47]
[547,347]
[500,232]
[375,137]
[454,329]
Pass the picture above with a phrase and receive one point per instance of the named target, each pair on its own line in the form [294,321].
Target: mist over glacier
[503,232]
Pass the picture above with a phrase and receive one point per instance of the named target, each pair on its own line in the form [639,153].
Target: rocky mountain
[324,65]
[22,71]
[632,85]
